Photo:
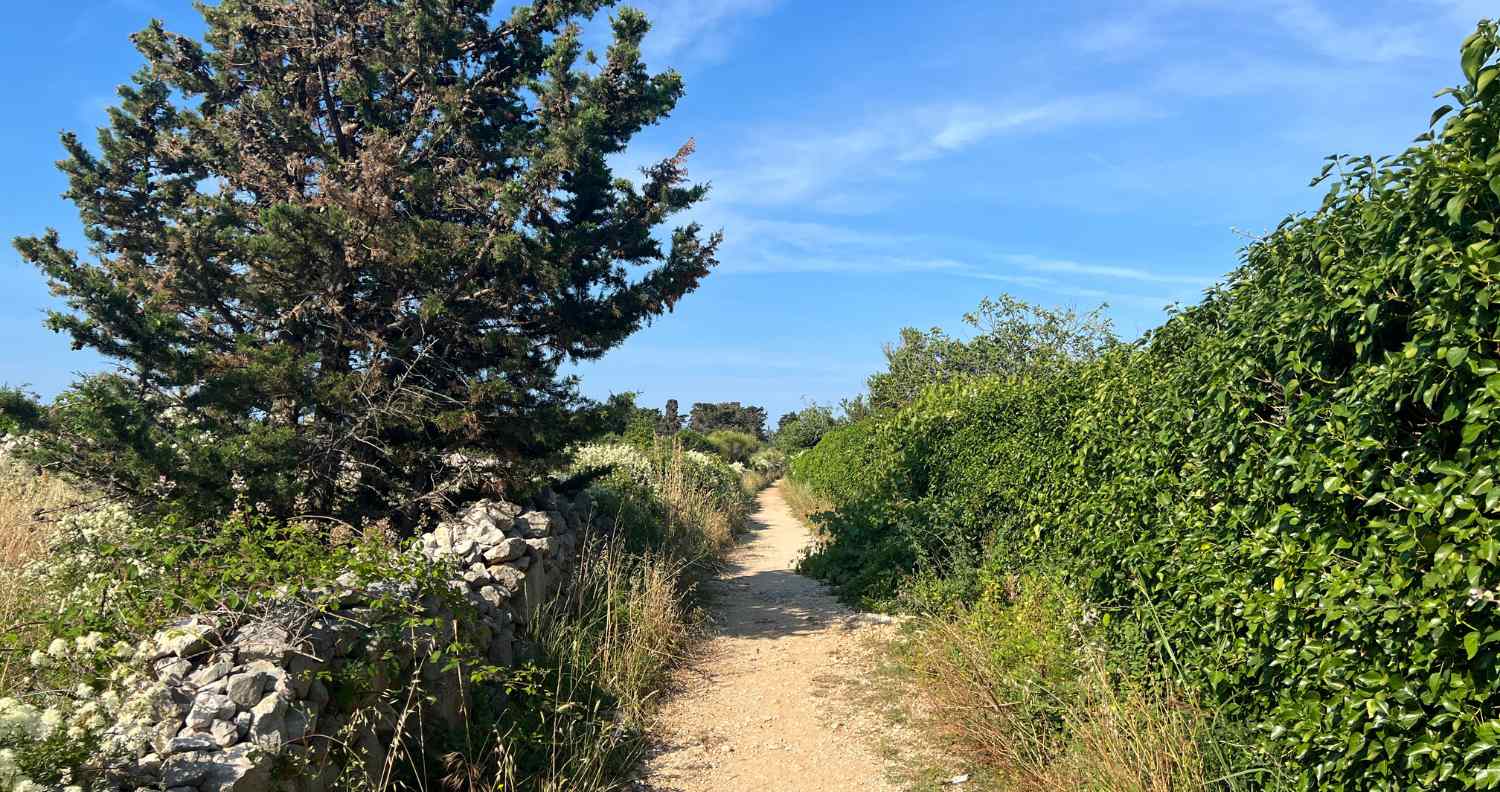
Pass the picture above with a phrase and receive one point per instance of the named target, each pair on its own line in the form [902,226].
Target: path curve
[764,707]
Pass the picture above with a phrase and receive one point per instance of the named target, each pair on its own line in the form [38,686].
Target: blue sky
[883,164]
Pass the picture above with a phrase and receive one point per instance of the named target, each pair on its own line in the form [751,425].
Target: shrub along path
[763,707]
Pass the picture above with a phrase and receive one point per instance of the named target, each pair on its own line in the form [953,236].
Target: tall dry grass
[622,623]
[1017,689]
[702,521]
[610,638]
[1127,737]
[752,481]
[803,501]
[28,504]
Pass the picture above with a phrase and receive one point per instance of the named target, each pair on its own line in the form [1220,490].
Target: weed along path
[765,707]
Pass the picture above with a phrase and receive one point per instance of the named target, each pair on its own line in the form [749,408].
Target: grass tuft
[1014,686]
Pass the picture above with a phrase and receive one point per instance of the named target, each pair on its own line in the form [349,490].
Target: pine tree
[708,417]
[337,241]
[671,421]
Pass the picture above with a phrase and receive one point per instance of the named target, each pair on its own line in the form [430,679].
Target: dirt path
[765,707]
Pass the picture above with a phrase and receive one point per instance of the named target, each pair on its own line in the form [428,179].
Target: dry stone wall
[231,703]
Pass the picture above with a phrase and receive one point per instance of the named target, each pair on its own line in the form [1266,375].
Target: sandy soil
[766,706]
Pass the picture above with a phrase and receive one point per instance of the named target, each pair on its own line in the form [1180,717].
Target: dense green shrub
[19,412]
[1287,494]
[1012,337]
[734,446]
[664,498]
[803,428]
[694,441]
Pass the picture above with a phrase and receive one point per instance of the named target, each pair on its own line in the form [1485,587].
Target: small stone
[211,673]
[245,688]
[298,723]
[489,514]
[224,733]
[535,524]
[317,693]
[264,641]
[238,769]
[487,536]
[508,578]
[145,771]
[542,546]
[505,550]
[172,670]
[207,708]
[493,596]
[268,718]
[463,547]
[242,723]
[523,563]
[197,741]
[187,637]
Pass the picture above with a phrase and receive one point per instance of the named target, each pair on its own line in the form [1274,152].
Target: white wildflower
[89,643]
[50,719]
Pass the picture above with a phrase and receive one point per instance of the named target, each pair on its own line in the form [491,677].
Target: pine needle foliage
[332,242]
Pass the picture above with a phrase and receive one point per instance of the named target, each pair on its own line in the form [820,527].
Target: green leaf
[1471,644]
[1455,208]
[1456,355]
[1472,58]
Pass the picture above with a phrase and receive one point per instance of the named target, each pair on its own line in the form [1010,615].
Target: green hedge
[1289,489]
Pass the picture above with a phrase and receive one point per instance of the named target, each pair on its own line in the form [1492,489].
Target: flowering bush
[627,459]
[771,461]
[690,500]
[47,740]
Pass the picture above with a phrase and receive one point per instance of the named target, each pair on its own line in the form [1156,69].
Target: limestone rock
[507,549]
[211,673]
[224,733]
[245,688]
[543,546]
[268,721]
[493,596]
[263,640]
[508,578]
[537,524]
[187,637]
[196,741]
[207,708]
